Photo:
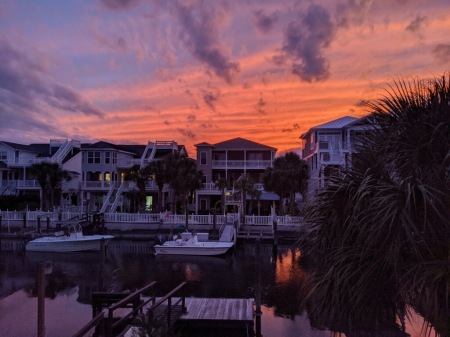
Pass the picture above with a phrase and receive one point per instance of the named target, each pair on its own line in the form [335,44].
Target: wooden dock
[218,309]
[214,312]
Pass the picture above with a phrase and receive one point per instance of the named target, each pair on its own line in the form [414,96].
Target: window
[202,158]
[114,158]
[107,157]
[3,155]
[255,156]
[93,157]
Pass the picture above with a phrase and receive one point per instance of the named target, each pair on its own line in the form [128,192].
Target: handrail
[168,298]
[96,321]
[124,302]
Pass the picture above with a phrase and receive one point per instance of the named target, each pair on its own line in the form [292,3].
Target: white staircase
[107,200]
[118,198]
[64,149]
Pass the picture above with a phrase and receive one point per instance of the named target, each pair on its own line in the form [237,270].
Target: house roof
[16,146]
[241,143]
[334,124]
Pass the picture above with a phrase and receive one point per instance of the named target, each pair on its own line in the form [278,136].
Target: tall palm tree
[222,184]
[288,176]
[244,184]
[50,177]
[186,181]
[379,233]
[140,177]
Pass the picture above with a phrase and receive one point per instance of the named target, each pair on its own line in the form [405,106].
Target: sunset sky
[133,71]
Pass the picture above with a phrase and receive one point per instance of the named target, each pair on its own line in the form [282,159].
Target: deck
[215,311]
[219,309]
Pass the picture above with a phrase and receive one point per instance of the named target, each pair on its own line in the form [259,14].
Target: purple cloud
[416,25]
[187,133]
[200,34]
[119,4]
[442,53]
[211,97]
[305,40]
[25,85]
[264,22]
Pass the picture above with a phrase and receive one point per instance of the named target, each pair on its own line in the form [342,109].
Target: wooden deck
[226,311]
[218,309]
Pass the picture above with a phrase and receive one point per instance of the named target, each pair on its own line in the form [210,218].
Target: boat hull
[62,244]
[201,248]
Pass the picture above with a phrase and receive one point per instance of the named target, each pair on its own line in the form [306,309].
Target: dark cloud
[187,133]
[416,25]
[294,127]
[25,86]
[191,118]
[305,41]
[352,12]
[260,106]
[200,34]
[119,4]
[264,22]
[442,53]
[211,97]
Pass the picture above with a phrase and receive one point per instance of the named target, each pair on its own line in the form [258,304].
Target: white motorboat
[71,240]
[192,246]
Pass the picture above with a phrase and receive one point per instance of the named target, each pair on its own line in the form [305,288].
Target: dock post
[48,224]
[24,220]
[275,235]
[258,312]
[38,224]
[43,269]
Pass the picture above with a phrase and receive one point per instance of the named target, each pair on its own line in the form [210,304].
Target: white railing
[148,218]
[29,162]
[107,199]
[118,198]
[242,164]
[28,184]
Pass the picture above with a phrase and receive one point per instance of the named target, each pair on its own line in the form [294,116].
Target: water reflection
[76,276]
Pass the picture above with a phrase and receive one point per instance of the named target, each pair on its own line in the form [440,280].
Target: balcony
[28,162]
[128,163]
[241,164]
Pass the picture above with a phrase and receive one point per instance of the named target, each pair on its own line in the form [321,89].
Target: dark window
[202,158]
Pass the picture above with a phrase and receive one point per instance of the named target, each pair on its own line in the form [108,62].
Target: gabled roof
[16,146]
[203,144]
[334,124]
[241,144]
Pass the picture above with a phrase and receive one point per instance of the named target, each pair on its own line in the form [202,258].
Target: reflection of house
[230,160]
[16,159]
[328,147]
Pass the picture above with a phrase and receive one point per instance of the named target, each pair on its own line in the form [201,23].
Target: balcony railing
[241,164]
[20,162]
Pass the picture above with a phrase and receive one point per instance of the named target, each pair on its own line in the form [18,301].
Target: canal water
[127,266]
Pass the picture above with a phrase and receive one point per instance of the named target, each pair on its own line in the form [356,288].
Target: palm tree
[186,180]
[50,177]
[222,184]
[379,233]
[140,177]
[244,184]
[288,175]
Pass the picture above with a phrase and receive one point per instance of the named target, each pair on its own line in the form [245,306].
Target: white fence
[142,218]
